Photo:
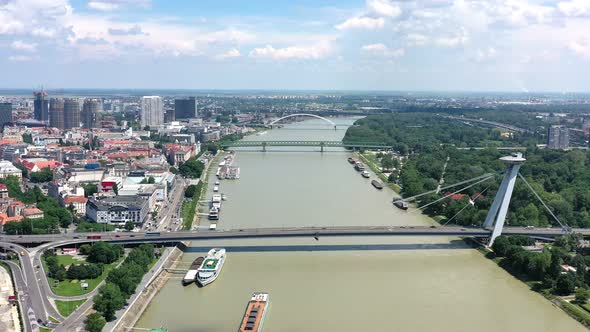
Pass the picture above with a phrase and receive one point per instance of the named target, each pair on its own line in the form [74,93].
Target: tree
[94,322]
[45,175]
[27,138]
[582,295]
[129,225]
[565,284]
[109,300]
[102,252]
[90,189]
[190,191]
[192,168]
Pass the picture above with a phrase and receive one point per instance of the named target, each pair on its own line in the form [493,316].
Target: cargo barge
[255,314]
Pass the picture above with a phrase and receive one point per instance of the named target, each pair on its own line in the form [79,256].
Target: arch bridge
[303,114]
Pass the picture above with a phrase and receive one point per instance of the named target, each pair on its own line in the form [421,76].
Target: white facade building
[152,111]
[8,169]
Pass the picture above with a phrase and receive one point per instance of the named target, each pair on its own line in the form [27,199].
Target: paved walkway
[9,321]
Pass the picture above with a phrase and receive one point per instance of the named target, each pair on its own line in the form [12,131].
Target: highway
[151,237]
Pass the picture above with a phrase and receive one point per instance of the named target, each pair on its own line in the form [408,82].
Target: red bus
[94,237]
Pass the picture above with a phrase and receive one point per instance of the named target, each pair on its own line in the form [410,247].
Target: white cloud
[453,41]
[23,16]
[580,48]
[362,22]
[574,7]
[311,52]
[24,46]
[20,58]
[43,32]
[382,50]
[111,5]
[103,6]
[417,39]
[485,54]
[233,53]
[383,8]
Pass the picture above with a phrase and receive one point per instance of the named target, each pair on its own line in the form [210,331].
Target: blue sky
[459,45]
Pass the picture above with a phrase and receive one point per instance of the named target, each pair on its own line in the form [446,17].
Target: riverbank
[575,311]
[142,301]
[377,170]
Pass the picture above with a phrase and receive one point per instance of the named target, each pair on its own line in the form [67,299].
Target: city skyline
[374,45]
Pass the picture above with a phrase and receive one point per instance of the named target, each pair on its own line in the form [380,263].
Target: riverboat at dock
[211,267]
[191,274]
[255,314]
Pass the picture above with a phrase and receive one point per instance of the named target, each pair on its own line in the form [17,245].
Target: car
[529,227]
[432,226]
[76,237]
[463,229]
[117,235]
[131,235]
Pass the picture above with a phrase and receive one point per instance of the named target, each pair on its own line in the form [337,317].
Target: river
[341,284]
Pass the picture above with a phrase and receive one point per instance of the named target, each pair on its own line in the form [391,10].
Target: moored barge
[255,313]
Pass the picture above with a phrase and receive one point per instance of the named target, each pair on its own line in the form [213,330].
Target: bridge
[320,144]
[303,114]
[54,240]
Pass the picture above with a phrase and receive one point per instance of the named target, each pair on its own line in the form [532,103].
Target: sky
[385,45]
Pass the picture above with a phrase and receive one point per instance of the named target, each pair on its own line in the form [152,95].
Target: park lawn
[44,329]
[68,260]
[65,308]
[52,319]
[72,287]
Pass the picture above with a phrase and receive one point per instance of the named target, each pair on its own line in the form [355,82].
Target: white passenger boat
[211,267]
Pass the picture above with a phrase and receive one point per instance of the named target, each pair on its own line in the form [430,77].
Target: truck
[152,234]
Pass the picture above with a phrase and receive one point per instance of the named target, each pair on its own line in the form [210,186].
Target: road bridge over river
[151,237]
[320,144]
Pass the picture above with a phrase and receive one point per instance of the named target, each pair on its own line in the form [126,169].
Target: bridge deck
[243,143]
[60,239]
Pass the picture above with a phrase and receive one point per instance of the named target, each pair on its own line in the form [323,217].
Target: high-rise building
[185,108]
[56,113]
[90,108]
[41,106]
[152,111]
[558,138]
[5,113]
[71,113]
[169,115]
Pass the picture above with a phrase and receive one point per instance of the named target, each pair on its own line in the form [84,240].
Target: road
[168,214]
[150,237]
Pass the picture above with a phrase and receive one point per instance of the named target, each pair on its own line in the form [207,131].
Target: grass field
[72,287]
[44,329]
[65,308]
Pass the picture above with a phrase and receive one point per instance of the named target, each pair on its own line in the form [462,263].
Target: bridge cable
[466,205]
[566,227]
[451,194]
[486,176]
